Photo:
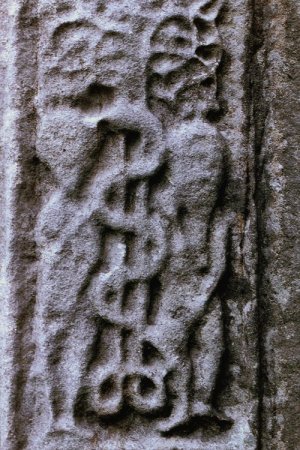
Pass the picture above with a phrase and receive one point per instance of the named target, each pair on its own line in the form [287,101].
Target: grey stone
[148,230]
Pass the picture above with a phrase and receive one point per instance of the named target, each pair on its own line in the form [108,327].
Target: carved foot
[221,416]
[174,421]
[65,425]
[55,441]
[203,409]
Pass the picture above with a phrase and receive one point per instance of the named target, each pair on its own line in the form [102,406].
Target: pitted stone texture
[138,316]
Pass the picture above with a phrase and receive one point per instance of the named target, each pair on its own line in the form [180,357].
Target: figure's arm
[143,136]
[217,258]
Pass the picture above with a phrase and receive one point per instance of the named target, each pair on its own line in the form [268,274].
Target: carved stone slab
[130,303]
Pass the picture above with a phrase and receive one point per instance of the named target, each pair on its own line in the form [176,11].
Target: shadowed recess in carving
[112,195]
[157,182]
[132,140]
[202,25]
[150,354]
[125,343]
[100,350]
[94,98]
[207,82]
[130,253]
[107,388]
[147,387]
[182,213]
[208,52]
[154,297]
[210,427]
[129,296]
[130,195]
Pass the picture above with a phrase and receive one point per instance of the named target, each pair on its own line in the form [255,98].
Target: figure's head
[185,53]
[173,44]
[86,58]
[81,55]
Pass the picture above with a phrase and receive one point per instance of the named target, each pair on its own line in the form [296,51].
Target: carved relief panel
[139,236]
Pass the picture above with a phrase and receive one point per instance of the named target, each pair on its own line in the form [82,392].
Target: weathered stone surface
[148,194]
[277,124]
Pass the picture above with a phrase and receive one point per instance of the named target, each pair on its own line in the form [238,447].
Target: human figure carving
[177,77]
[195,258]
[110,246]
[97,149]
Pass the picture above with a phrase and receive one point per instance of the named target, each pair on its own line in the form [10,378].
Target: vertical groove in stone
[257,116]
[274,95]
[22,266]
[234,125]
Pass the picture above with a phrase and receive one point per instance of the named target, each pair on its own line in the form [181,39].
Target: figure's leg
[67,361]
[179,387]
[104,381]
[64,317]
[206,356]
